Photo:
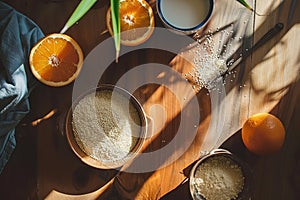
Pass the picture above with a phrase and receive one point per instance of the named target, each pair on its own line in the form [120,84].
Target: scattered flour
[219,178]
[207,71]
[106,126]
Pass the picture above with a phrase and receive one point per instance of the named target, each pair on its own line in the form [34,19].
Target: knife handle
[266,37]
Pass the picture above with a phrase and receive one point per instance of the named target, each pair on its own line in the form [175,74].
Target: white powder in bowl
[106,125]
[219,177]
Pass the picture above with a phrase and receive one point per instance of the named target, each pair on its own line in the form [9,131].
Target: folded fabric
[18,35]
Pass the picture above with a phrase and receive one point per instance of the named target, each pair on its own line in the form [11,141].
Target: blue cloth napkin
[18,35]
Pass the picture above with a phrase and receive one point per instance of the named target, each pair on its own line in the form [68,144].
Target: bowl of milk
[186,16]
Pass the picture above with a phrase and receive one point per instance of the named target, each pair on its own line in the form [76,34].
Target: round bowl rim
[88,159]
[185,30]
[247,173]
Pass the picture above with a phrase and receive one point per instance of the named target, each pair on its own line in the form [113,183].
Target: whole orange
[263,134]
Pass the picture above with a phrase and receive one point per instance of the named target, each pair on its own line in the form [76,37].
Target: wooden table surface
[43,165]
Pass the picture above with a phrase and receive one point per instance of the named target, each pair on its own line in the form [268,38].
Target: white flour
[106,125]
[208,70]
[219,178]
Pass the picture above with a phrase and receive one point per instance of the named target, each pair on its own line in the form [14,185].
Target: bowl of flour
[106,127]
[220,175]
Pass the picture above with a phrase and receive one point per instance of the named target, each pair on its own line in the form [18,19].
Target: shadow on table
[234,142]
[81,174]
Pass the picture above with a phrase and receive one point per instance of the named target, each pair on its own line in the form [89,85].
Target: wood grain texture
[268,81]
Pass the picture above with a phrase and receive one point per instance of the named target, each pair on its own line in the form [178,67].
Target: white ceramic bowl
[185,16]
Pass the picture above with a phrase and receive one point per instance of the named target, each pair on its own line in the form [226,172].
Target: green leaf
[115,16]
[244,3]
[80,10]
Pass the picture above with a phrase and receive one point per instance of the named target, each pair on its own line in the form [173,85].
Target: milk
[185,14]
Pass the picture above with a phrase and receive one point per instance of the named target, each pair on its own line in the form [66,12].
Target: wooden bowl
[95,162]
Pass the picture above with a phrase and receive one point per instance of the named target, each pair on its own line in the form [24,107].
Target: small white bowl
[185,16]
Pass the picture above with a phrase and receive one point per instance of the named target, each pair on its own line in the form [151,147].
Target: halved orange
[136,19]
[56,60]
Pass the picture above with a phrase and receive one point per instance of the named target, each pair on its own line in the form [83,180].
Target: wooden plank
[267,82]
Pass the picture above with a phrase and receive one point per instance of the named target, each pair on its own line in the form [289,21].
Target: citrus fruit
[56,60]
[136,22]
[263,134]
